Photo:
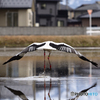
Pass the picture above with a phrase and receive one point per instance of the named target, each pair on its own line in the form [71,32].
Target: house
[65,15]
[70,21]
[81,14]
[69,10]
[95,19]
[83,9]
[51,13]
[62,15]
[46,12]
[15,13]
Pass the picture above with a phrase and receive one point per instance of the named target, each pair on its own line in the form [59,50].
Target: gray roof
[64,7]
[94,6]
[16,3]
[73,20]
[49,0]
[94,15]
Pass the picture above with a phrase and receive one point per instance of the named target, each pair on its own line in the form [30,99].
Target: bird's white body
[46,47]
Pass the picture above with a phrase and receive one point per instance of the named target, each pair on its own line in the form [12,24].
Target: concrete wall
[42,30]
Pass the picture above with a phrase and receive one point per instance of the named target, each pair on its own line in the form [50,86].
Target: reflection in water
[83,92]
[44,90]
[68,74]
[17,92]
[49,88]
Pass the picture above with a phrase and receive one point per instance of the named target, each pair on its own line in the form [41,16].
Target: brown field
[76,41]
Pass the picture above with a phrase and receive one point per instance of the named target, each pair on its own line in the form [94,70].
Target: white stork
[49,46]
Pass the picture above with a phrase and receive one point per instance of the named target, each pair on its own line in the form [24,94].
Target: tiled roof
[73,20]
[16,3]
[94,15]
[94,6]
[64,7]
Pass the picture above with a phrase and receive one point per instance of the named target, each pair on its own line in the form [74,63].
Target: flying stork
[49,46]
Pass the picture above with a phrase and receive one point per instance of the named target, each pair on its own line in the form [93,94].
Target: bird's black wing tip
[5,86]
[95,84]
[4,63]
[94,63]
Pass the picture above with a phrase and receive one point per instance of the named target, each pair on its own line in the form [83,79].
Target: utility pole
[90,12]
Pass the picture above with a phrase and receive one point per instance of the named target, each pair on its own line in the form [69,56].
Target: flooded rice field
[25,80]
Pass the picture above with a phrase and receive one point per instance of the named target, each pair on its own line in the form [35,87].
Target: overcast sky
[76,3]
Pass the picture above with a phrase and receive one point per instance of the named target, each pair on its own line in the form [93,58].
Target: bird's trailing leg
[44,61]
[49,60]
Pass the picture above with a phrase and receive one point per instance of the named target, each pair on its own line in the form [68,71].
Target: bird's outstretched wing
[69,49]
[83,91]
[30,48]
[17,92]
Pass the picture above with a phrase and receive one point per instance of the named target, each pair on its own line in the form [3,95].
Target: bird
[17,92]
[49,46]
[83,91]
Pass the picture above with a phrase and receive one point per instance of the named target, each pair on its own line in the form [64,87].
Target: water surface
[68,74]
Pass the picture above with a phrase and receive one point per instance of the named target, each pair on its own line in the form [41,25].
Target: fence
[93,30]
[42,30]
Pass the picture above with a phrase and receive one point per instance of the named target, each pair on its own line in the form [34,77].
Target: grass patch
[76,41]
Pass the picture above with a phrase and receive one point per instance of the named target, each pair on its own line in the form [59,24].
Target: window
[12,19]
[43,6]
[9,19]
[60,23]
[50,11]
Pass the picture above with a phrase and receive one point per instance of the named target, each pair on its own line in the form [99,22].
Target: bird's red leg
[44,90]
[49,60]
[49,90]
[44,60]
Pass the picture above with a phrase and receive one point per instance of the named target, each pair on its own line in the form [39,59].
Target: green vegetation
[76,41]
